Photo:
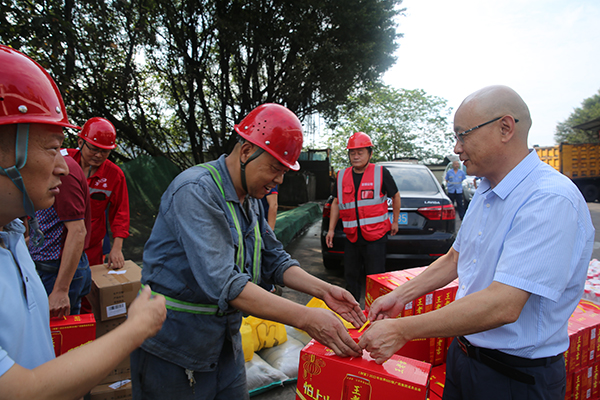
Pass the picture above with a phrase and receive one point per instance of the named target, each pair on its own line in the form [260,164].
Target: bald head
[495,101]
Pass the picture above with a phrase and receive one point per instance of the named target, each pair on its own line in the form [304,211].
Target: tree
[402,123]
[589,110]
[174,76]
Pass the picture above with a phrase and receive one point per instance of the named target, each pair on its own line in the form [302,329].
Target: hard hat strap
[21,143]
[243,166]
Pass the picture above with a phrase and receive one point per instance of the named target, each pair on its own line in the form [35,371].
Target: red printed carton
[72,331]
[324,376]
[431,350]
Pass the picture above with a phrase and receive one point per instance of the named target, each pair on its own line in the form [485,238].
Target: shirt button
[474,260]
[463,287]
[488,205]
[479,233]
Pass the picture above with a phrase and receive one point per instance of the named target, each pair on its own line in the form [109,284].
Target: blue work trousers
[156,379]
[80,284]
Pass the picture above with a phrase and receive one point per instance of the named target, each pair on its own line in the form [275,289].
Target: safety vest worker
[366,209]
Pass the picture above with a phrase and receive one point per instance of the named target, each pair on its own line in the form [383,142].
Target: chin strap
[243,167]
[21,143]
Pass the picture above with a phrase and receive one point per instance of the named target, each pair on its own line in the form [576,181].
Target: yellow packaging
[266,334]
[318,303]
[247,340]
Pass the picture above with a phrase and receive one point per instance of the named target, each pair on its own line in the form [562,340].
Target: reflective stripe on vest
[257,236]
[178,305]
[370,211]
[213,309]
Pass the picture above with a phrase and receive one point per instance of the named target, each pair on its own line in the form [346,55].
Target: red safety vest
[372,209]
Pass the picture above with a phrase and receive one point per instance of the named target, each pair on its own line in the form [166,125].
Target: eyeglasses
[96,150]
[460,136]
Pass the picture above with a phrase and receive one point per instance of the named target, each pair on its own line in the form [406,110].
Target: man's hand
[329,239]
[394,228]
[325,327]
[115,259]
[387,306]
[147,313]
[383,339]
[60,305]
[342,302]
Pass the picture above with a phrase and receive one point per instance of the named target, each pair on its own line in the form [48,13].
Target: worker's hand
[394,228]
[342,302]
[147,314]
[60,305]
[386,306]
[329,239]
[115,259]
[325,327]
[382,339]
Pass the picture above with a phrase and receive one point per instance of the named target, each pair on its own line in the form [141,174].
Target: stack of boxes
[408,374]
[433,350]
[111,295]
[582,359]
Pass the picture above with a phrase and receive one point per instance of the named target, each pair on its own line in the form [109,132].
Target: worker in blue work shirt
[209,250]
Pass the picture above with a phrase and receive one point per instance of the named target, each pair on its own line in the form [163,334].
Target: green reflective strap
[178,305]
[240,253]
[257,253]
[257,236]
[217,178]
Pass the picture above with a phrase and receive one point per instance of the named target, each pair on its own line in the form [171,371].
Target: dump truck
[579,162]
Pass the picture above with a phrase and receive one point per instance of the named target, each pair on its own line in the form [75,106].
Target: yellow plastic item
[318,303]
[265,333]
[247,341]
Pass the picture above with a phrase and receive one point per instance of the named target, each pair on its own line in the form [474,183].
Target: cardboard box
[119,373]
[437,382]
[432,350]
[103,327]
[323,375]
[113,291]
[112,391]
[72,332]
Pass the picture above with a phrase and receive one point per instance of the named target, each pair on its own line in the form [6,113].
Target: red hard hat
[359,140]
[100,132]
[275,129]
[28,95]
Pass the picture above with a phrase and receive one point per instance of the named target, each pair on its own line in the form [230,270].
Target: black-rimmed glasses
[96,150]
[460,136]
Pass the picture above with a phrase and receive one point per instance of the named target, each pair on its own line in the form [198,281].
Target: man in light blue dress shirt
[521,257]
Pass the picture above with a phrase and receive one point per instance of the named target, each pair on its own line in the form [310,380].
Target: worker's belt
[193,308]
[503,363]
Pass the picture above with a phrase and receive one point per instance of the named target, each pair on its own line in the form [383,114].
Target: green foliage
[175,76]
[401,123]
[589,110]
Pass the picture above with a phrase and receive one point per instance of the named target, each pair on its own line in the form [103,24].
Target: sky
[546,50]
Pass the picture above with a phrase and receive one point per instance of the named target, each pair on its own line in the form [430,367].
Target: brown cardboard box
[123,370]
[112,391]
[120,372]
[113,291]
[103,327]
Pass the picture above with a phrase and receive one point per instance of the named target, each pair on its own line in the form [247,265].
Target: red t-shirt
[71,204]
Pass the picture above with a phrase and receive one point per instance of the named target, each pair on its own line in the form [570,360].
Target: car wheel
[331,263]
